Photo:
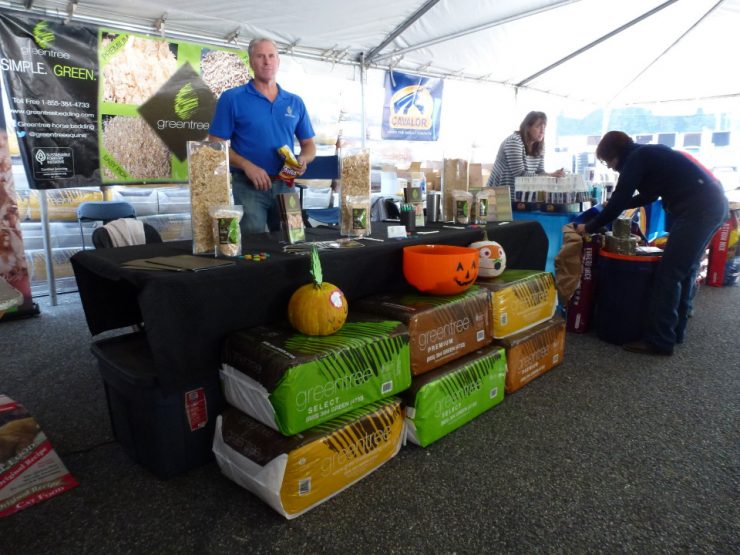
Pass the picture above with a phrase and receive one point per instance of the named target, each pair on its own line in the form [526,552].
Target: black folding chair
[103,211]
[101,239]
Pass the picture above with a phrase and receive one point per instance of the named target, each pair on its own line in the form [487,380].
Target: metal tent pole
[50,279]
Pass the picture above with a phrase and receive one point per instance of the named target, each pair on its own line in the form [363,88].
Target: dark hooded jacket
[658,171]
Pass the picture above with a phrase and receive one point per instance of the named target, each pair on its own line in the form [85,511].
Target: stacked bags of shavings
[311,415]
[523,305]
[456,375]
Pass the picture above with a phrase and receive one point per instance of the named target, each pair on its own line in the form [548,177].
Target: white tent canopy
[600,51]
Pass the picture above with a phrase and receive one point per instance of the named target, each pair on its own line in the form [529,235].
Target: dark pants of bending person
[674,281]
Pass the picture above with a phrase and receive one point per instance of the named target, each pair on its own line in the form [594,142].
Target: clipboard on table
[178,263]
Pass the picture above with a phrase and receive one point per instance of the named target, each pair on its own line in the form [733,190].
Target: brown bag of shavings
[355,183]
[208,172]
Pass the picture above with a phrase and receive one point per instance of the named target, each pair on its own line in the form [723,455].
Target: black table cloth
[186,315]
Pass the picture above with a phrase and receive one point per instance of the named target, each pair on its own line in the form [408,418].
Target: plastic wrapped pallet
[533,352]
[444,399]
[143,199]
[292,382]
[61,234]
[441,328]
[171,227]
[520,300]
[61,204]
[295,474]
[173,200]
[60,263]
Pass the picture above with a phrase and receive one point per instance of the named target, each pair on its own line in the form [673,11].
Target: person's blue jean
[673,286]
[260,207]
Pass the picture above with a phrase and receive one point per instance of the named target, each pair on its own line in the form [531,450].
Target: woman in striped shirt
[522,154]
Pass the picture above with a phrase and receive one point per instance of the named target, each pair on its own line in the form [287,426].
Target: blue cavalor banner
[412,107]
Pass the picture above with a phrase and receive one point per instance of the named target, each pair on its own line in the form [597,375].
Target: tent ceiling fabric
[683,50]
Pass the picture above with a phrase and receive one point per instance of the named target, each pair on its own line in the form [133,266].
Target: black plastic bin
[623,292]
[168,432]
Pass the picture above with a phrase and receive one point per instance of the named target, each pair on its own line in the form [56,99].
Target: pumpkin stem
[318,278]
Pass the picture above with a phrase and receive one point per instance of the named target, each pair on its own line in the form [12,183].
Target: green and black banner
[50,71]
[94,106]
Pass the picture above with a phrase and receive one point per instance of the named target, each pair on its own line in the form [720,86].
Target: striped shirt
[512,161]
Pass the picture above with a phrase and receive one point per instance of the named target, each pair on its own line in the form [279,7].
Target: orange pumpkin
[317,308]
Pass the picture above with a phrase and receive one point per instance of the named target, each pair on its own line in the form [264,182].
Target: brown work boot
[643,347]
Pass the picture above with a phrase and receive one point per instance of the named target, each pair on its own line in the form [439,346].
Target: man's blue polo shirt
[257,127]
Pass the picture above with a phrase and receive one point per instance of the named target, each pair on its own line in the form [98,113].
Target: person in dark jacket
[696,203]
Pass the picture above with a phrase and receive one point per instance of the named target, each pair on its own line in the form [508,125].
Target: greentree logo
[42,35]
[180,111]
[186,102]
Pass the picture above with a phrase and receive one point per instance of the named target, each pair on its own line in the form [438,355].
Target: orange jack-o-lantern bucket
[440,269]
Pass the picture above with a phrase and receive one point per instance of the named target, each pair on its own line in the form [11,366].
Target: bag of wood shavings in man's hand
[292,166]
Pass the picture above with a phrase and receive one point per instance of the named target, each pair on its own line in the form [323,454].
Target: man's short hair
[255,42]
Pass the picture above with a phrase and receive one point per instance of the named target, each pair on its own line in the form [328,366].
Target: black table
[186,315]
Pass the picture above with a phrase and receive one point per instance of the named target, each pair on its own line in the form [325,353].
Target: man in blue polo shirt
[258,118]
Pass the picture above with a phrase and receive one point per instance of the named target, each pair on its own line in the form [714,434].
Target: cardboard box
[502,200]
[295,474]
[454,178]
[520,300]
[444,399]
[440,328]
[475,176]
[533,352]
[292,382]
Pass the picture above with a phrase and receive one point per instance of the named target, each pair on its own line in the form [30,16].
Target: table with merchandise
[185,315]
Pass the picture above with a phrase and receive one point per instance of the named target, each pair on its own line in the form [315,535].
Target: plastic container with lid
[624,283]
